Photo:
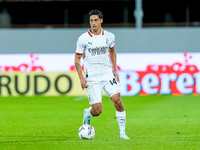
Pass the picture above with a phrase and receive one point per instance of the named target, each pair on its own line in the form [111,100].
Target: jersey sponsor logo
[98,50]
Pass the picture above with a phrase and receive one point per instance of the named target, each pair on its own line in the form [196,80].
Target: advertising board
[140,74]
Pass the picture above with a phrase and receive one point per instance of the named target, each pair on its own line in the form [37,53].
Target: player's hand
[83,83]
[116,75]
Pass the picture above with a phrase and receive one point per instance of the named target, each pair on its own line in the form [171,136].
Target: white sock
[89,112]
[121,118]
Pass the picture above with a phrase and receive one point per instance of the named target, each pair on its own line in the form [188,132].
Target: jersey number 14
[113,82]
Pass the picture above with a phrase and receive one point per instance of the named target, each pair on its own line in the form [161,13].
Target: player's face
[95,23]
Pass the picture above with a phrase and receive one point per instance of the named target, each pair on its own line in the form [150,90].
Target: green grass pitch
[51,123]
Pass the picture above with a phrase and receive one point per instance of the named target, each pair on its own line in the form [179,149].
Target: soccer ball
[86,131]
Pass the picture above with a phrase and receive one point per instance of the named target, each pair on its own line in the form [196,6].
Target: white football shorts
[94,91]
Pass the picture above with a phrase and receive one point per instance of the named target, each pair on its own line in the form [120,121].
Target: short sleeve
[112,41]
[79,46]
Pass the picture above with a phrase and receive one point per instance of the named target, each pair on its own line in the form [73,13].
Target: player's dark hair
[96,12]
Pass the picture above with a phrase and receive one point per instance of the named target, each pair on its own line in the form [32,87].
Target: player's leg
[120,114]
[96,109]
[94,93]
[112,90]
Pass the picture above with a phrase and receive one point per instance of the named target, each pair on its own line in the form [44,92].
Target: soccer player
[95,47]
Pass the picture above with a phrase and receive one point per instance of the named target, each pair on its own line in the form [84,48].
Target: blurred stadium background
[157,37]
[41,102]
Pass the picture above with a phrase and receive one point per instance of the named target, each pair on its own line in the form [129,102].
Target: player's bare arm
[113,57]
[79,71]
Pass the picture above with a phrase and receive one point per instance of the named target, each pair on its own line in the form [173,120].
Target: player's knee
[97,112]
[96,109]
[117,101]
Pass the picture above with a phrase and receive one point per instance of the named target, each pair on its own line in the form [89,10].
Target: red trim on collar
[90,33]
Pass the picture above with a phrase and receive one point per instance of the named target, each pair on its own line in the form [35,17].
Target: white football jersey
[95,51]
